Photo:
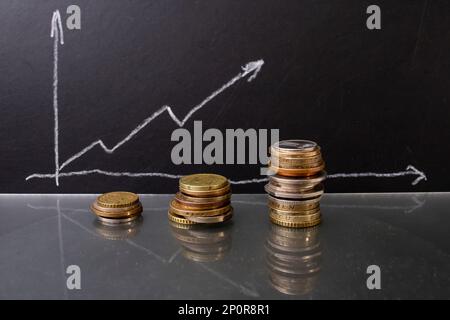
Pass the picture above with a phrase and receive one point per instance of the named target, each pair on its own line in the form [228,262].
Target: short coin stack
[203,199]
[117,207]
[296,187]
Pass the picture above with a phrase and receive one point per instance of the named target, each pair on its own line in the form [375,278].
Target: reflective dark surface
[406,235]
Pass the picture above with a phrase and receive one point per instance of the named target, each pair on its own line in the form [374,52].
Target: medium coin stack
[117,207]
[203,199]
[296,187]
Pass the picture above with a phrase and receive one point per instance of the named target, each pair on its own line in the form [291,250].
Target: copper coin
[184,212]
[296,172]
[187,204]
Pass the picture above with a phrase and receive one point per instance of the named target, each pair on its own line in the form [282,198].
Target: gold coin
[290,188]
[296,161]
[296,164]
[296,225]
[116,210]
[207,193]
[177,219]
[203,182]
[120,214]
[292,205]
[176,225]
[299,166]
[182,211]
[294,218]
[117,199]
[212,219]
[296,155]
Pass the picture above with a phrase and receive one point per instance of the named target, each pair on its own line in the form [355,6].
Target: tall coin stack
[203,199]
[296,187]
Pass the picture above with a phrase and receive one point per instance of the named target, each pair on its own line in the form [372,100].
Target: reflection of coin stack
[117,207]
[120,231]
[201,244]
[203,199]
[295,188]
[293,258]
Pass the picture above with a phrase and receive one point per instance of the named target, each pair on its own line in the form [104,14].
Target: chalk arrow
[251,69]
[56,27]
[413,171]
[410,171]
[57,34]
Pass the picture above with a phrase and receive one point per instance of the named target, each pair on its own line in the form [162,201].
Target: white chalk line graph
[250,70]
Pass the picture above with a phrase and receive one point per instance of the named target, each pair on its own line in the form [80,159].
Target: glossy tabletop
[406,235]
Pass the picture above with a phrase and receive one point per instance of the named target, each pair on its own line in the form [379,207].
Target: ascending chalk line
[251,69]
[57,34]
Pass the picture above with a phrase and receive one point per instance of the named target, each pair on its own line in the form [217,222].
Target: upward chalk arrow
[57,34]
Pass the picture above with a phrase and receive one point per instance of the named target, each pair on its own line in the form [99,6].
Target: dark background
[376,101]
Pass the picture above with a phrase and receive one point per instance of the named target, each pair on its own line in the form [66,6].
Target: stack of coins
[295,187]
[117,207]
[203,199]
[293,259]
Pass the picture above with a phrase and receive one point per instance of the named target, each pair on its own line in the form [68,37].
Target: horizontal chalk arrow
[410,171]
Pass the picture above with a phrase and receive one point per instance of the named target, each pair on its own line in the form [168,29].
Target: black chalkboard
[377,101]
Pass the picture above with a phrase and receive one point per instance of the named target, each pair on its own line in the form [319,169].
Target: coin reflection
[203,243]
[293,258]
[120,231]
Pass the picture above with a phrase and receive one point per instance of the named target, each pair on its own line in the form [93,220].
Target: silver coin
[115,221]
[298,181]
[317,191]
[295,145]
